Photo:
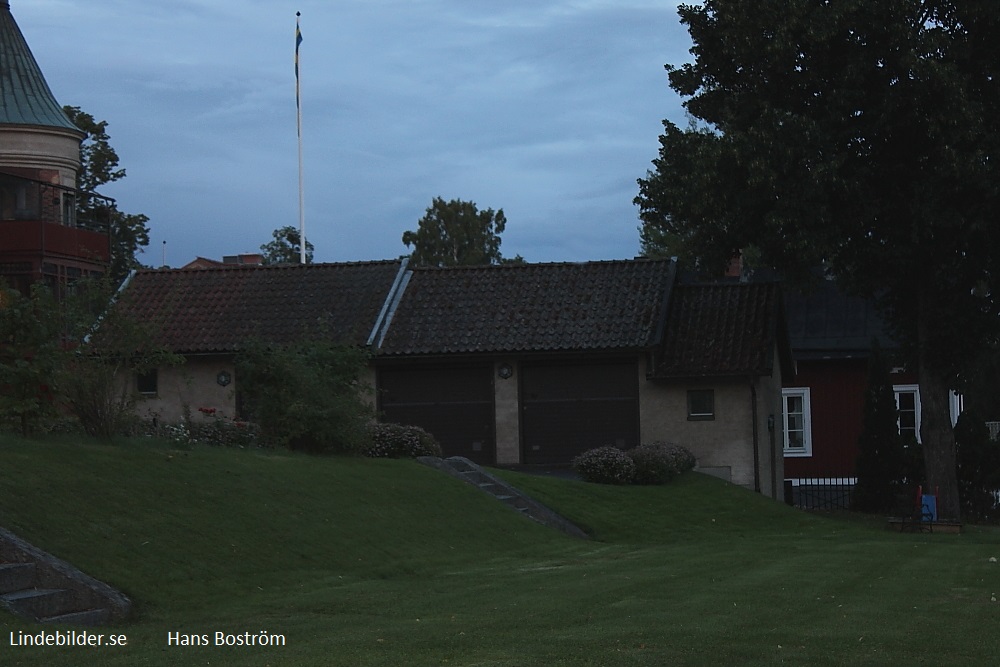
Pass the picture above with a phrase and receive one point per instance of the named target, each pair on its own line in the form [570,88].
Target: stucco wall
[724,445]
[194,384]
[42,148]
[508,415]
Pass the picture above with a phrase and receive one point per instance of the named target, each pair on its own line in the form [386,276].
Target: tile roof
[25,97]
[215,309]
[531,308]
[724,329]
[825,322]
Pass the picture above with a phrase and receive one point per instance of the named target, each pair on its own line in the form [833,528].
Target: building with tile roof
[831,336]
[524,364]
[41,235]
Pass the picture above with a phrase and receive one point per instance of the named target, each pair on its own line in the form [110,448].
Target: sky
[547,109]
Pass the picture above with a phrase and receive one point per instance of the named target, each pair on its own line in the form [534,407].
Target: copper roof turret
[25,97]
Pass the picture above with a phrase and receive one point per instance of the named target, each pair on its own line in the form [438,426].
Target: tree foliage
[99,165]
[306,395]
[880,450]
[286,247]
[457,233]
[77,355]
[859,135]
[30,357]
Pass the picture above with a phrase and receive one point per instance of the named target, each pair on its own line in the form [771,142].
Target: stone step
[471,473]
[460,464]
[40,587]
[87,617]
[16,576]
[40,603]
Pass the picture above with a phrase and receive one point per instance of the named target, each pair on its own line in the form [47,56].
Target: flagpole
[298,125]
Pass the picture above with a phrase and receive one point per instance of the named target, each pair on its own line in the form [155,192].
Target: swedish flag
[298,41]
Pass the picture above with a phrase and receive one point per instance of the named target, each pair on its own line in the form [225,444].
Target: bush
[605,465]
[660,462]
[978,468]
[306,395]
[395,441]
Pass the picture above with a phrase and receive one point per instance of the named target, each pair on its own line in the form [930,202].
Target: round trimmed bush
[660,462]
[395,441]
[605,465]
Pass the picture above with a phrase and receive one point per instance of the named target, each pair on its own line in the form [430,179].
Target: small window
[147,383]
[701,404]
[797,421]
[908,405]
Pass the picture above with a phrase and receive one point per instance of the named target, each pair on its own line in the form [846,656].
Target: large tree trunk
[936,433]
[938,440]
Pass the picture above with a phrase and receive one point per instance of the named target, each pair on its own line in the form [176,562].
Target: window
[701,404]
[908,405]
[147,383]
[797,421]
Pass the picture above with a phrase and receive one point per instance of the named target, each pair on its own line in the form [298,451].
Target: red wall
[836,395]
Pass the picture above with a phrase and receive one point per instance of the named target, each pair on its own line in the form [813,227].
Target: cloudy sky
[548,109]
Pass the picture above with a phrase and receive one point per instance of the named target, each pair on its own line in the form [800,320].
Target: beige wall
[193,384]
[723,446]
[508,415]
[41,148]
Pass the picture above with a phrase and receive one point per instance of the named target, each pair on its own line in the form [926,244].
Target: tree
[880,449]
[99,166]
[30,356]
[286,248]
[862,136]
[306,395]
[106,349]
[456,233]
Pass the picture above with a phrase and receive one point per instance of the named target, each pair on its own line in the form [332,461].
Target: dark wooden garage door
[454,404]
[567,409]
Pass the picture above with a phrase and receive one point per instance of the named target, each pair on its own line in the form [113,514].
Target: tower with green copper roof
[35,134]
[41,236]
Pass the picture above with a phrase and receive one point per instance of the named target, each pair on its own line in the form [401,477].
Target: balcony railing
[26,199]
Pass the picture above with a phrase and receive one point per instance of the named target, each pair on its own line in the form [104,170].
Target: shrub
[660,462]
[306,395]
[395,441]
[605,465]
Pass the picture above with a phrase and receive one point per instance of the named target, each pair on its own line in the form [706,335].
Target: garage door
[567,409]
[453,403]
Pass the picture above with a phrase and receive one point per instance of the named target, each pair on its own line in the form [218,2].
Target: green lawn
[362,562]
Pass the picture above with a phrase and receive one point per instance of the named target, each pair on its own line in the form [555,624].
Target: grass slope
[361,562]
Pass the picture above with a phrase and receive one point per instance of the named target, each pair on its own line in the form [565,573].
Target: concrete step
[471,473]
[40,587]
[87,617]
[16,576]
[41,603]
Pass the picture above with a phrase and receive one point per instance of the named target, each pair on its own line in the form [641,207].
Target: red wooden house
[831,335]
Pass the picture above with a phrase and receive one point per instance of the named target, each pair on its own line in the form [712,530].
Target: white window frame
[806,448]
[914,389]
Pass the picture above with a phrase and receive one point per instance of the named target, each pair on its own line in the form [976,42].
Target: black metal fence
[820,493]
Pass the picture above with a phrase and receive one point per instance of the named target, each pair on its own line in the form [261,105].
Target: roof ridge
[530,265]
[268,267]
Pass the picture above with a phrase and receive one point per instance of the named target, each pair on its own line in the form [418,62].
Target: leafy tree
[880,449]
[109,348]
[98,167]
[30,356]
[861,135]
[457,233]
[286,248]
[306,395]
